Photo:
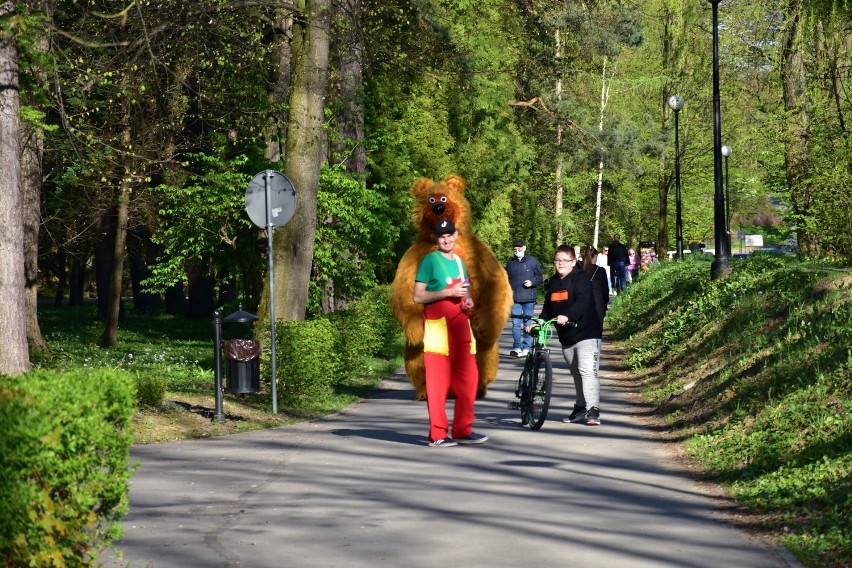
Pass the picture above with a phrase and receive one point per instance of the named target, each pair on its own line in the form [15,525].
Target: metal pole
[219,413]
[269,231]
[720,267]
[678,212]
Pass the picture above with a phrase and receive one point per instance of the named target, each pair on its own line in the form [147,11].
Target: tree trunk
[145,303]
[798,125]
[604,99]
[294,243]
[113,307]
[350,65]
[32,151]
[663,179]
[201,285]
[557,207]
[14,356]
[281,52]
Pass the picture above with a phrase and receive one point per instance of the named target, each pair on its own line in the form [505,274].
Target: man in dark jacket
[524,276]
[569,299]
[618,259]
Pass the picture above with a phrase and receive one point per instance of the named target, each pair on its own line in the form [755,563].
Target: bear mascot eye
[443,199]
[432,200]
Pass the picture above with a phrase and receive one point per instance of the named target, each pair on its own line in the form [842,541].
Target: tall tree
[32,154]
[294,243]
[797,107]
[14,356]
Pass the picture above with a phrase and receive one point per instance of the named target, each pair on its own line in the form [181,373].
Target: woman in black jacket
[597,276]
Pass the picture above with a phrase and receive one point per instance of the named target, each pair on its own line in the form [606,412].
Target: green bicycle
[535,384]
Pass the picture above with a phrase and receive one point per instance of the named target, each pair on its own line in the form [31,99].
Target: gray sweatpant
[583,360]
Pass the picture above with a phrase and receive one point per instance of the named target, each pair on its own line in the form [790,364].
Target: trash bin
[243,364]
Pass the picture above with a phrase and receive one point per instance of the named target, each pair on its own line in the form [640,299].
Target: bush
[364,328]
[309,363]
[64,467]
[151,389]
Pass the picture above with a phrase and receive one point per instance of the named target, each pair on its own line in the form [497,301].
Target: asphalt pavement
[362,489]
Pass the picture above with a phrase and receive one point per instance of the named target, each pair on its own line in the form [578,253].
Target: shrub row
[64,465]
[315,355]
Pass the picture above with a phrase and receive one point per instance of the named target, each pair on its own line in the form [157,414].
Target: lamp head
[726,150]
[676,102]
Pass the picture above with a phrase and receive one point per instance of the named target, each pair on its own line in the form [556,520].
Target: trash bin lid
[239,316]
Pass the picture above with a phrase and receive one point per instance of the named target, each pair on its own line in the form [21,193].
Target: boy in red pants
[442,286]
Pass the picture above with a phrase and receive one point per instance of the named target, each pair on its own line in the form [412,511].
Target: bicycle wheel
[540,387]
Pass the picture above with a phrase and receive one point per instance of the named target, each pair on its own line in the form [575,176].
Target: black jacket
[600,290]
[526,268]
[572,296]
[618,253]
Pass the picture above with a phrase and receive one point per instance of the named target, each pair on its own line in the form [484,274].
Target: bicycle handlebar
[544,328]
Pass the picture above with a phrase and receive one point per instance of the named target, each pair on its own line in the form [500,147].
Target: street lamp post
[676,103]
[720,267]
[726,151]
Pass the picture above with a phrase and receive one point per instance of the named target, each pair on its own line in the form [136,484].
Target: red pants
[448,355]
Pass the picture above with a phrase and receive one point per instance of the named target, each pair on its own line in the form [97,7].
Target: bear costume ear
[421,185]
[455,183]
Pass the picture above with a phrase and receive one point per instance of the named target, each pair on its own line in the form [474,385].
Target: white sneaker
[523,353]
[514,353]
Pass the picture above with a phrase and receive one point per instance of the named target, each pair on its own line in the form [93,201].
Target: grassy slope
[753,373]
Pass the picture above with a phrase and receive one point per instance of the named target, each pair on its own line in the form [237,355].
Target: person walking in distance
[603,262]
[442,285]
[524,273]
[618,259]
[632,266]
[597,277]
[570,300]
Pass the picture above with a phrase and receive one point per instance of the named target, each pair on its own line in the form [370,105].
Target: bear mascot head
[492,295]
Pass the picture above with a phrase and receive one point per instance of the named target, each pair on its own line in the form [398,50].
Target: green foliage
[308,366]
[353,239]
[201,216]
[335,353]
[755,372]
[365,329]
[151,389]
[64,467]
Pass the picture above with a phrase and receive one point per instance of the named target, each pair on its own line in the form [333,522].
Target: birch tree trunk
[14,356]
[293,245]
[557,209]
[604,99]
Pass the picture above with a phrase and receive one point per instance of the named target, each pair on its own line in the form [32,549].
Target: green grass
[179,352]
[754,373]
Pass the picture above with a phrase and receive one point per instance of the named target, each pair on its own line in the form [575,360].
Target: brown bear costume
[490,288]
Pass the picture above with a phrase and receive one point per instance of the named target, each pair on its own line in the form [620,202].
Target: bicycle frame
[534,386]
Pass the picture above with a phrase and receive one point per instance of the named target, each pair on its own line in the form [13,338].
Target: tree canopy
[155,114]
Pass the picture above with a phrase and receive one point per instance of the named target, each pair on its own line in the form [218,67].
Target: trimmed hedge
[316,355]
[64,453]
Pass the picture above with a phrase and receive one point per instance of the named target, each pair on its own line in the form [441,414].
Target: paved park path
[361,489]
